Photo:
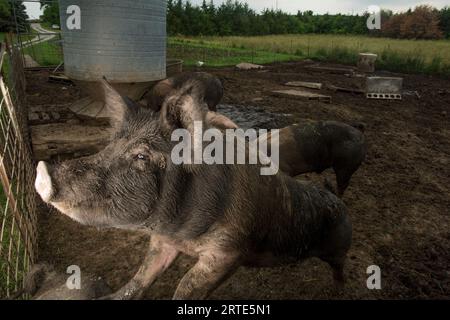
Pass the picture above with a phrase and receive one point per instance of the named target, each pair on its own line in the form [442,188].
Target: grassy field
[217,55]
[409,56]
[396,55]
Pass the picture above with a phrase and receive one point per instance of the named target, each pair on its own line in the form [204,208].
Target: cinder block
[366,62]
[384,88]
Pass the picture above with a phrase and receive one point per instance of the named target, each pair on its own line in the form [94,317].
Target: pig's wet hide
[254,117]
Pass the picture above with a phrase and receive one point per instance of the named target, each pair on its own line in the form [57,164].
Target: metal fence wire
[18,234]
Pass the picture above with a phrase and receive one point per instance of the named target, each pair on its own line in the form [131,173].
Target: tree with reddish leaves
[391,27]
[422,23]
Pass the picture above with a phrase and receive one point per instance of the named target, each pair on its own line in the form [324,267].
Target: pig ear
[219,121]
[117,105]
[182,109]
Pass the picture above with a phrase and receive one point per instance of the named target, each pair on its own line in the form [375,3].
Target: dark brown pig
[226,216]
[43,282]
[316,146]
[210,89]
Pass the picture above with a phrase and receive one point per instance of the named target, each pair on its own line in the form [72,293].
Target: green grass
[409,56]
[420,56]
[48,26]
[215,55]
[23,37]
[46,53]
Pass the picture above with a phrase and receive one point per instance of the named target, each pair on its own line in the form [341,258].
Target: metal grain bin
[124,40]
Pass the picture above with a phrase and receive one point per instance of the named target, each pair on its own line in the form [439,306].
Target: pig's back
[310,214]
[311,148]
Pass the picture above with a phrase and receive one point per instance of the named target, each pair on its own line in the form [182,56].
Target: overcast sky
[318,6]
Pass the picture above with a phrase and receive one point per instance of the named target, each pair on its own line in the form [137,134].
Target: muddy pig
[43,282]
[210,89]
[226,216]
[316,146]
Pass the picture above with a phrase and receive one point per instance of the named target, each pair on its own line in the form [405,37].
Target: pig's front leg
[206,275]
[159,257]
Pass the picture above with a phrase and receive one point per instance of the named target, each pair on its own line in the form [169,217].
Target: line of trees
[237,18]
[7,20]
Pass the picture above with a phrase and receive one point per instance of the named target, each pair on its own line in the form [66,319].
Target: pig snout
[43,183]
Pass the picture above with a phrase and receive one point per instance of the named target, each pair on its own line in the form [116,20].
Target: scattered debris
[33,116]
[248,66]
[43,117]
[335,70]
[366,62]
[384,88]
[417,95]
[351,90]
[310,85]
[57,67]
[411,93]
[59,79]
[302,95]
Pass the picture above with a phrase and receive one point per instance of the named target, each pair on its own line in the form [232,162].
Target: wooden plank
[59,79]
[304,84]
[330,69]
[300,94]
[248,66]
[61,138]
[351,90]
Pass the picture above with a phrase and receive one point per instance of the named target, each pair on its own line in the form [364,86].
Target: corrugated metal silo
[124,40]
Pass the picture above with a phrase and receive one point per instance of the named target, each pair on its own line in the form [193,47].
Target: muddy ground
[399,200]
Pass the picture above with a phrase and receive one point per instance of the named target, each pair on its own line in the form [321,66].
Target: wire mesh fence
[41,49]
[18,239]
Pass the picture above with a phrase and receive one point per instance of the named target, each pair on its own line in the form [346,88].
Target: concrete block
[384,88]
[366,62]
